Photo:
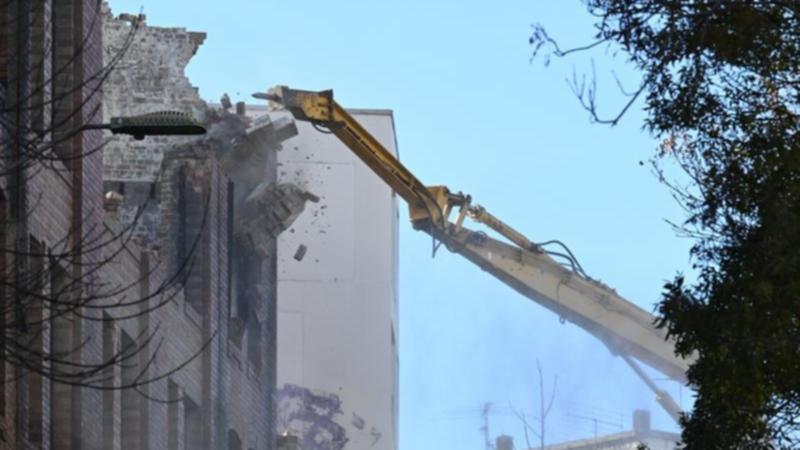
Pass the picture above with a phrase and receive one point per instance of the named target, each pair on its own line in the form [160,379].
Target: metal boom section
[626,329]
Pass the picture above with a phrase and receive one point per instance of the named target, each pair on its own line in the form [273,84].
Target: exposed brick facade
[149,77]
[216,323]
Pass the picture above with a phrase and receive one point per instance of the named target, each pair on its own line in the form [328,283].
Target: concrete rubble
[300,253]
[270,209]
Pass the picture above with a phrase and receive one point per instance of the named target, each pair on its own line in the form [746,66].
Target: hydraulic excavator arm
[319,108]
[626,329]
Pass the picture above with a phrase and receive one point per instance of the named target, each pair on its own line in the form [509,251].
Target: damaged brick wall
[232,393]
[212,208]
[181,195]
[148,77]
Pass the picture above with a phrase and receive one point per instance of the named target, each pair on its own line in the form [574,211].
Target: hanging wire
[574,265]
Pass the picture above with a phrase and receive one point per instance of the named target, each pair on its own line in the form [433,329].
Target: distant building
[337,298]
[626,440]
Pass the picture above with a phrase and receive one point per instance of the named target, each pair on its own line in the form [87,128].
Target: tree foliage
[721,87]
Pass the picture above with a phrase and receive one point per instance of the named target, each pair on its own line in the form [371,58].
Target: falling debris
[358,421]
[301,252]
[245,163]
[376,435]
[225,102]
[270,209]
[310,197]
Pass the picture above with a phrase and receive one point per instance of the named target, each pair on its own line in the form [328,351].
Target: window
[254,346]
[231,250]
[234,442]
[192,228]
[109,351]
[131,432]
[247,266]
[237,272]
[181,252]
[36,328]
[66,39]
[63,325]
[41,47]
[193,431]
[173,416]
[3,46]
[3,294]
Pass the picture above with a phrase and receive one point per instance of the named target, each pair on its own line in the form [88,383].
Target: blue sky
[474,113]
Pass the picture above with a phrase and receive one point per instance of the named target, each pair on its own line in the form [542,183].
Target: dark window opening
[181,251]
[254,346]
[131,431]
[234,442]
[64,326]
[63,60]
[41,47]
[35,323]
[191,224]
[4,294]
[247,266]
[231,247]
[192,429]
[109,351]
[173,419]
[4,51]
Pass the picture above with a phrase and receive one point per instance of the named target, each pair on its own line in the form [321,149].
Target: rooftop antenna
[487,408]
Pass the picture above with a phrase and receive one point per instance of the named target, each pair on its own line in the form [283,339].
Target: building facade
[137,314]
[50,208]
[337,295]
[641,433]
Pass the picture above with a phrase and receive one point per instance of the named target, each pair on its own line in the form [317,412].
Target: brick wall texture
[161,264]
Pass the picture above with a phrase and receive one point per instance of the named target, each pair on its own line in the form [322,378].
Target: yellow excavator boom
[626,329]
[320,109]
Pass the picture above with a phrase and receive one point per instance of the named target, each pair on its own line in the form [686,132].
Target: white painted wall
[337,308]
